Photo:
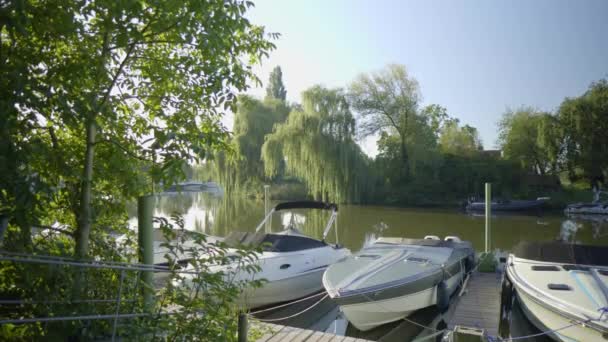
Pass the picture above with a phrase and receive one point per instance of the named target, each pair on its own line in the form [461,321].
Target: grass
[487,263]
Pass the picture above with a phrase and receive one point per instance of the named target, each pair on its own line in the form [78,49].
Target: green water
[219,215]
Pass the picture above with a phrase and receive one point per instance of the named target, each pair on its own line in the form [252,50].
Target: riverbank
[558,199]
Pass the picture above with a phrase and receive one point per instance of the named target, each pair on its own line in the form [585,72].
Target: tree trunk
[84,215]
[404,159]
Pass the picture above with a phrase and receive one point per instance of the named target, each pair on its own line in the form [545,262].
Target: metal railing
[122,267]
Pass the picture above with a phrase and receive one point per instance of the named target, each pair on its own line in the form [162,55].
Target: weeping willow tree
[243,168]
[316,142]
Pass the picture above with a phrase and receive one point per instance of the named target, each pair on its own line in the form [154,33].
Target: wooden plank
[479,305]
[318,336]
[302,336]
[273,331]
[282,335]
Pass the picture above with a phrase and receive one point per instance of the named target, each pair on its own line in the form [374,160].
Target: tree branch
[126,150]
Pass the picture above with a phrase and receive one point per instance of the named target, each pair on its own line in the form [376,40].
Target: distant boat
[562,288]
[587,209]
[509,205]
[194,186]
[596,207]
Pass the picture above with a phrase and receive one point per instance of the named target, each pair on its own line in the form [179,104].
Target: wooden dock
[281,333]
[478,305]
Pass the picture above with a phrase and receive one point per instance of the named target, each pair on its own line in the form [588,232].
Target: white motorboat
[393,277]
[561,288]
[599,208]
[292,264]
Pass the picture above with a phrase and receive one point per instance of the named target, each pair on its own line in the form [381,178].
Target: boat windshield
[272,242]
[559,252]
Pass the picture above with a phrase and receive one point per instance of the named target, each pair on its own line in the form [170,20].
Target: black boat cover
[560,252]
[306,205]
[272,242]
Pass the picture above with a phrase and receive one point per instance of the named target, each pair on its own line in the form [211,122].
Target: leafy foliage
[520,138]
[387,101]
[584,123]
[460,140]
[253,120]
[45,290]
[276,89]
[197,303]
[201,299]
[317,145]
[119,90]
[100,102]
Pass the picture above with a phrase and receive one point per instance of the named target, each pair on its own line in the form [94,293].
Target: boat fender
[506,297]
[469,263]
[443,297]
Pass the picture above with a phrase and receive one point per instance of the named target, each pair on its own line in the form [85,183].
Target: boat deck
[281,333]
[479,303]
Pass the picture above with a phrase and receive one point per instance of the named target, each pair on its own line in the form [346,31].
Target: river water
[218,215]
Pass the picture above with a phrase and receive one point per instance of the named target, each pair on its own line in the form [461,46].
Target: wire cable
[287,304]
[496,338]
[294,315]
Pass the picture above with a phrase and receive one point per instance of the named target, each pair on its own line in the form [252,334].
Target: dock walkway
[476,306]
[479,305]
[281,333]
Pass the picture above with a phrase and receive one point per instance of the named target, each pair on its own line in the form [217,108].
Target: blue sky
[476,58]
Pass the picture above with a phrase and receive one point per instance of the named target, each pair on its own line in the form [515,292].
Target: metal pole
[122,278]
[242,331]
[145,210]
[267,228]
[488,214]
[336,228]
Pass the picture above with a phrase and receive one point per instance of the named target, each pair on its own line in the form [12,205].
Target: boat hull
[370,314]
[282,290]
[559,295]
[513,206]
[587,209]
[545,320]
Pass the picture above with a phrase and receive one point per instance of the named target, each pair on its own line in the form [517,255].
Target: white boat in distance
[292,263]
[562,288]
[599,208]
[393,277]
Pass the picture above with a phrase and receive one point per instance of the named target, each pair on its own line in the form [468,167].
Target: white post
[336,229]
[267,228]
[488,214]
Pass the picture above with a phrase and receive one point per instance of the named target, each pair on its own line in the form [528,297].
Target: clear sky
[476,58]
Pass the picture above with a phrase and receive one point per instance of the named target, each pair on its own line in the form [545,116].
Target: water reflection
[219,215]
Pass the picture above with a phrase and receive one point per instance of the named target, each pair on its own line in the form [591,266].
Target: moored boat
[393,277]
[562,288]
[292,264]
[509,205]
[587,209]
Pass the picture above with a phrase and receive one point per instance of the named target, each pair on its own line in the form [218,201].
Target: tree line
[425,155]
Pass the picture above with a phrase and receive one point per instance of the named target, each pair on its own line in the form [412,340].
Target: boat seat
[432,237]
[452,238]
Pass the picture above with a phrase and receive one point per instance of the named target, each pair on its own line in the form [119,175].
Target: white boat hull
[282,290]
[589,209]
[546,320]
[368,315]
[560,298]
